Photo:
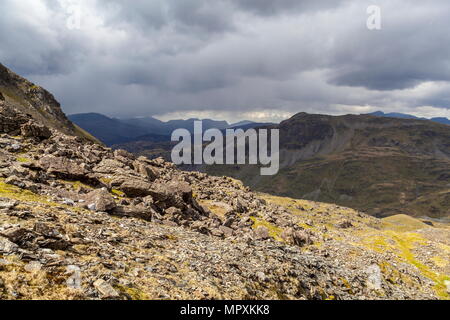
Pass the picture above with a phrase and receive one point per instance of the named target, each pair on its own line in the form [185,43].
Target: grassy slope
[381,166]
[404,237]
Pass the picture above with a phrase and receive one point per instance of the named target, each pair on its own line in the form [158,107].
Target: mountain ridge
[120,132]
[442,120]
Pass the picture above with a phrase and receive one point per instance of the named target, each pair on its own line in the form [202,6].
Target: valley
[381,165]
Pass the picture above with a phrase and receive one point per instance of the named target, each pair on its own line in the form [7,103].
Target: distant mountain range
[408,116]
[113,131]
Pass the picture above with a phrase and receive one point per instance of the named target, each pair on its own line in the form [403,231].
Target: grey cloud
[195,17]
[29,47]
[154,57]
[412,47]
[275,7]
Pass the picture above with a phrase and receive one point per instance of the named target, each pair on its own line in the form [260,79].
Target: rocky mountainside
[383,166]
[33,102]
[80,221]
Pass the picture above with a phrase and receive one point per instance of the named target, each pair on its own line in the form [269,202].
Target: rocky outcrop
[37,103]
[33,129]
[11,120]
[62,168]
[100,200]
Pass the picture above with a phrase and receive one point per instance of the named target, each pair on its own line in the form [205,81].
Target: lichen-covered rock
[136,188]
[105,289]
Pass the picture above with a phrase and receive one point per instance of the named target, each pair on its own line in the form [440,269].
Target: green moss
[403,244]
[76,185]
[23,159]
[440,262]
[106,180]
[15,193]
[118,193]
[274,231]
[133,293]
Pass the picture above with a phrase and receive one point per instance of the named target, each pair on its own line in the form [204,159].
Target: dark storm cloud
[413,47]
[32,45]
[275,7]
[187,16]
[134,58]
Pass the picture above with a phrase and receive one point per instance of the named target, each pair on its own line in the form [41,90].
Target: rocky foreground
[80,221]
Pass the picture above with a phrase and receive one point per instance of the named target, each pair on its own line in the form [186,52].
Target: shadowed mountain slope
[383,166]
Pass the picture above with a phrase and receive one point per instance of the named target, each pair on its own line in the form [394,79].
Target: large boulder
[145,170]
[124,156]
[136,211]
[15,235]
[100,200]
[296,237]
[63,168]
[173,194]
[7,247]
[135,187]
[32,129]
[109,166]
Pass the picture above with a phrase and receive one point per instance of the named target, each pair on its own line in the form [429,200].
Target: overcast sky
[232,59]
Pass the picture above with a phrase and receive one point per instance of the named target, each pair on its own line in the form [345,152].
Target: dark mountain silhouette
[145,130]
[408,116]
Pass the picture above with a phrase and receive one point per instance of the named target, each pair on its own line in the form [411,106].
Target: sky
[262,60]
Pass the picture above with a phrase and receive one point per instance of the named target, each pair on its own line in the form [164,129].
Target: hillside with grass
[383,166]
